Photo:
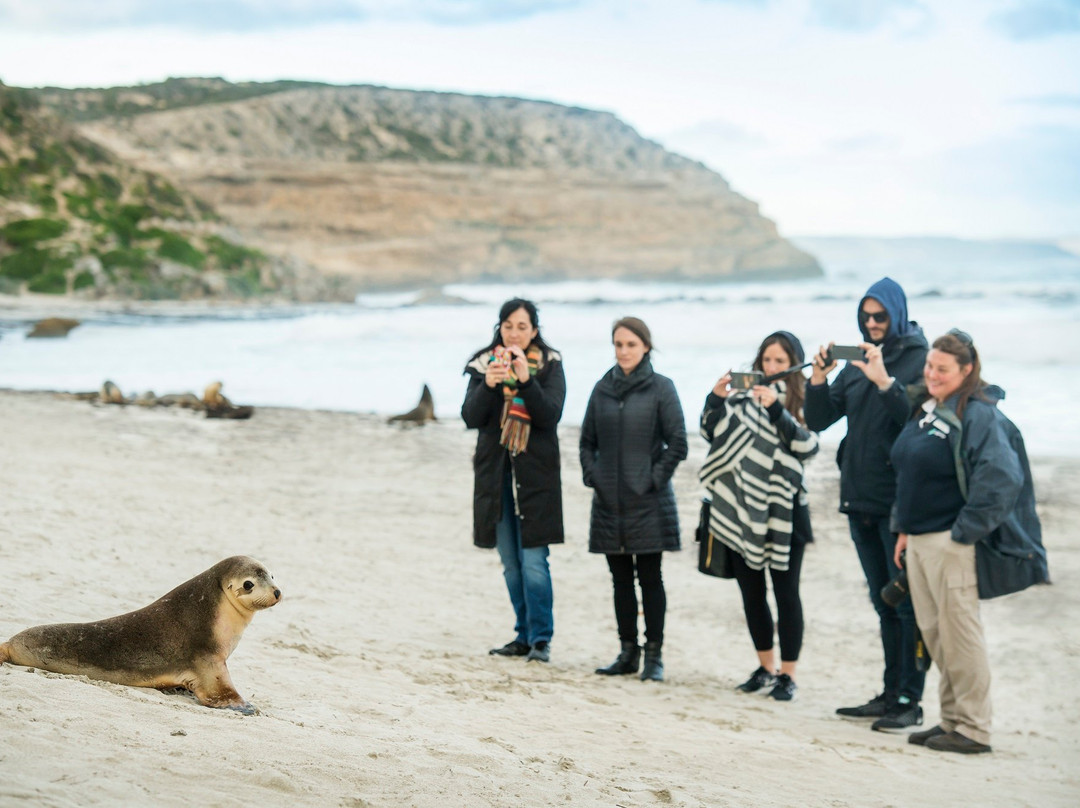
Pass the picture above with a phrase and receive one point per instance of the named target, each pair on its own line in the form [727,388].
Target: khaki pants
[945,594]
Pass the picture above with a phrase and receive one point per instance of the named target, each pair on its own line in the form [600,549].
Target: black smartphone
[744,381]
[846,353]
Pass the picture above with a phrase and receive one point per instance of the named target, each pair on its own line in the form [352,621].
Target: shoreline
[372,675]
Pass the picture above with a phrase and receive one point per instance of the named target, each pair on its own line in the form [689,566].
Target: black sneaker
[541,652]
[758,680]
[903,714]
[785,688]
[955,742]
[512,648]
[875,708]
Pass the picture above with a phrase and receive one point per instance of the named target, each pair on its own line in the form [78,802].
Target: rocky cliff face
[76,220]
[393,188]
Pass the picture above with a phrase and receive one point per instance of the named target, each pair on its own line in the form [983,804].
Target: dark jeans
[789,613]
[875,544]
[653,597]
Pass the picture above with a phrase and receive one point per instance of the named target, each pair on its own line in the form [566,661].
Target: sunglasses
[879,317]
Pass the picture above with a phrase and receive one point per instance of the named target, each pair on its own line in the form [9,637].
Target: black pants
[653,598]
[789,614]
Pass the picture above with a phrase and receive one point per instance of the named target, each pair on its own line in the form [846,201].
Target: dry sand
[372,675]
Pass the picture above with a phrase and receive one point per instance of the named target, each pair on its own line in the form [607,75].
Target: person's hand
[519,363]
[764,394]
[721,387]
[873,367]
[822,367]
[901,545]
[497,372]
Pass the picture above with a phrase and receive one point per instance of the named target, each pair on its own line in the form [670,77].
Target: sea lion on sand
[180,640]
[422,412]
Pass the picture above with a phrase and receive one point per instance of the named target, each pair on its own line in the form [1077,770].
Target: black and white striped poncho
[753,473]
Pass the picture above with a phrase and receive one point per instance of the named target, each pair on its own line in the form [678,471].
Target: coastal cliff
[382,188]
[394,187]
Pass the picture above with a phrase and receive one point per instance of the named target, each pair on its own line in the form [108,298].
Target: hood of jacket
[891,296]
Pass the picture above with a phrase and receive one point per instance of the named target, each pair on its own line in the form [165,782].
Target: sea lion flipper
[213,687]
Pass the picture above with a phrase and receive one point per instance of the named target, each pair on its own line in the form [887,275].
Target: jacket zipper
[618,481]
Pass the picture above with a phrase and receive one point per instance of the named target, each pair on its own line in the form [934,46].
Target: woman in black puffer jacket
[632,438]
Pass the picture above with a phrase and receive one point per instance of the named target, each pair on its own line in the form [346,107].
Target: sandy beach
[372,678]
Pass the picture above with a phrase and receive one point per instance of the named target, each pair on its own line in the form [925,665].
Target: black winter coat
[874,419]
[630,446]
[536,471]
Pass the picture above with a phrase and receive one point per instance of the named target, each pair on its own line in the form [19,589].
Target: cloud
[1058,100]
[1037,19]
[254,15]
[859,16]
[866,143]
[1038,166]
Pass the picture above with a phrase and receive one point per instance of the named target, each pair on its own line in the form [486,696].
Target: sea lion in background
[422,412]
[212,397]
[217,406]
[180,640]
[110,394]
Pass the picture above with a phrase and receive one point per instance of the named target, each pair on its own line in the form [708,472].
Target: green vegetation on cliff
[73,217]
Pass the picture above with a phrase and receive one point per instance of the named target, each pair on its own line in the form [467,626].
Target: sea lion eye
[248,586]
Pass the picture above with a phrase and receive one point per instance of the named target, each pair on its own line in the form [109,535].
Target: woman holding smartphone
[514,401]
[758,443]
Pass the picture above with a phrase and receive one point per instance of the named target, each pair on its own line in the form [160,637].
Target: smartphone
[744,381]
[846,353]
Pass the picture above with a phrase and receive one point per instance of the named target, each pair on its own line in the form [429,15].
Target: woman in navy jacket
[632,438]
[965,514]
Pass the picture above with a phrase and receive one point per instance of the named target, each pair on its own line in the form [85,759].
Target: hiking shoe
[758,680]
[512,648]
[541,652]
[920,738]
[875,708]
[955,742]
[902,715]
[785,688]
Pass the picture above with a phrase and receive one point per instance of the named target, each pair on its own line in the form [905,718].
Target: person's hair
[635,326]
[796,382]
[508,308]
[959,344]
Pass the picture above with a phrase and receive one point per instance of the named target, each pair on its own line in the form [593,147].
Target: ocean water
[1021,307]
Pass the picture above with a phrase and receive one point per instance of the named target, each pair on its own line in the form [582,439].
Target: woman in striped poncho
[758,443]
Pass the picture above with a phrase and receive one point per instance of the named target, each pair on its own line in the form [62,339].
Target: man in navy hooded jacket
[875,402]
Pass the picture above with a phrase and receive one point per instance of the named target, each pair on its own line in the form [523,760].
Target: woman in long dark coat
[514,401]
[632,438]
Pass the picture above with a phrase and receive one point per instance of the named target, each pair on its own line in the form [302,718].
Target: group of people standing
[929,466]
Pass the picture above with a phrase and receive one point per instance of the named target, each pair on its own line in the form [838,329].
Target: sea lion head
[248,584]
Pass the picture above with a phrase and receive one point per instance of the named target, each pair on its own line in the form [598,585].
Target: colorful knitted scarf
[515,421]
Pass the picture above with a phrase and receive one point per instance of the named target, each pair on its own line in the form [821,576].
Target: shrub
[83,279]
[52,282]
[231,256]
[110,185]
[177,248]
[23,232]
[129,258]
[24,264]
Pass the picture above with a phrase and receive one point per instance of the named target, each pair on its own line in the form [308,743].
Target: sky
[839,117]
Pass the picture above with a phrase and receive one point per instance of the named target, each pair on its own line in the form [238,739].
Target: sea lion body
[180,640]
[423,412]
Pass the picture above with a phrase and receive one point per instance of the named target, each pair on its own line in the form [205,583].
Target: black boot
[627,662]
[654,665]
